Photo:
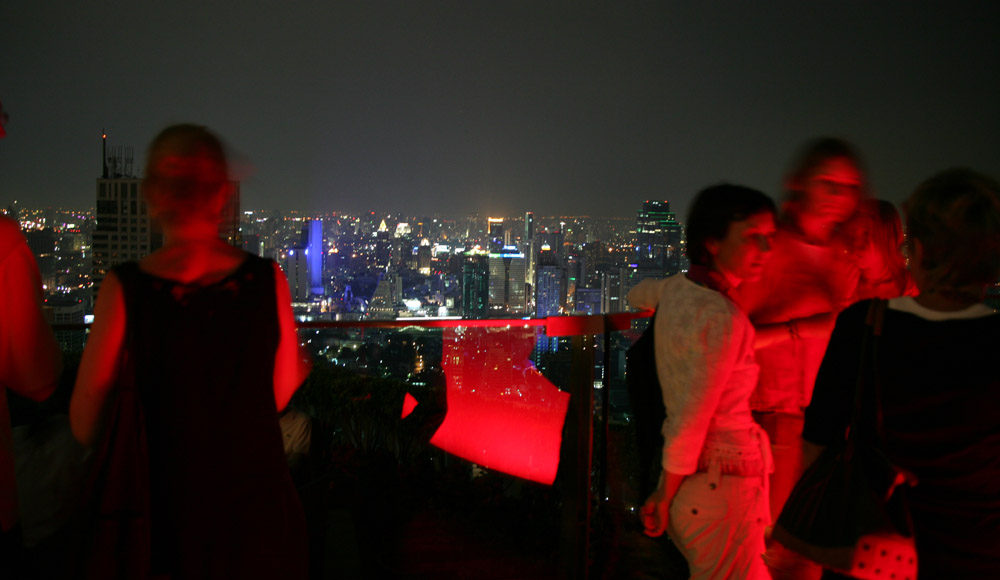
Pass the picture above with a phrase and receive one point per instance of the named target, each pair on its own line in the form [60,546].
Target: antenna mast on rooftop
[104,155]
[118,163]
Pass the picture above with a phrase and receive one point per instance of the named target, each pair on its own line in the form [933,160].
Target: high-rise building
[302,263]
[507,286]
[554,239]
[475,286]
[595,259]
[613,283]
[658,237]
[424,257]
[295,264]
[495,233]
[550,291]
[314,256]
[388,296]
[383,246]
[588,301]
[67,311]
[637,272]
[42,244]
[124,231]
[530,248]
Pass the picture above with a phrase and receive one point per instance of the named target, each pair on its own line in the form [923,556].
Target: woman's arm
[99,365]
[292,363]
[655,512]
[815,326]
[32,361]
[714,344]
[701,356]
[646,294]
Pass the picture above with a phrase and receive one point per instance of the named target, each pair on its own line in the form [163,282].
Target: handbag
[116,518]
[849,511]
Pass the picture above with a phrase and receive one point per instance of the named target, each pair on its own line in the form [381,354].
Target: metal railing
[589,358]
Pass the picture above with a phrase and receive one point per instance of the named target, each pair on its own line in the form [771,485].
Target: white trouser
[718,523]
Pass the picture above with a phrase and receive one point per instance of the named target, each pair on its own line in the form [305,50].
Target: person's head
[729,229]
[953,234]
[186,176]
[879,234]
[826,180]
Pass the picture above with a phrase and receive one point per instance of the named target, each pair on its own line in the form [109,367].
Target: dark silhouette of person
[936,377]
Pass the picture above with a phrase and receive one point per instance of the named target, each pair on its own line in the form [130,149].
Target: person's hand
[655,513]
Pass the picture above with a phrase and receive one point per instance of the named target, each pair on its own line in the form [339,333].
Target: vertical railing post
[601,456]
[578,467]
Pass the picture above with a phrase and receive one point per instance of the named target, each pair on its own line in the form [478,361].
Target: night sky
[561,108]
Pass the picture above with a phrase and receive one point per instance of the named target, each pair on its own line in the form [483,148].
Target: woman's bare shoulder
[194,264]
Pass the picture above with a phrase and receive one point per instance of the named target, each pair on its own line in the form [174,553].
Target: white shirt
[705,363]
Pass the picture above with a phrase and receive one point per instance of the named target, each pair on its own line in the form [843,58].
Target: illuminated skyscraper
[424,257]
[495,234]
[550,284]
[295,265]
[507,295]
[302,263]
[383,246]
[314,256]
[554,239]
[529,246]
[613,280]
[475,286]
[658,237]
[588,301]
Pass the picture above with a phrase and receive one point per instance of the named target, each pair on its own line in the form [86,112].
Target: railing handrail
[554,325]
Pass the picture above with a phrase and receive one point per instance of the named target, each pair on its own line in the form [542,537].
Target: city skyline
[499,108]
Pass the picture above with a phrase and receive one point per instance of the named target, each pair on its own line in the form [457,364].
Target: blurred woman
[812,276]
[712,493]
[936,369]
[209,329]
[793,304]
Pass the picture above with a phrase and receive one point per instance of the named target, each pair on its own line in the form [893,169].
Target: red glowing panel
[502,413]
[409,404]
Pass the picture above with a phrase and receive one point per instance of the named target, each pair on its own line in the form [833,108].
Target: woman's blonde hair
[186,169]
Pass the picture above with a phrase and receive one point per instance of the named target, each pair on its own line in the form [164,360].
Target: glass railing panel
[450,446]
[437,449]
[629,464]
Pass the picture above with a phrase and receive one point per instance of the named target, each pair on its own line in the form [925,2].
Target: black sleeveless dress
[222,501]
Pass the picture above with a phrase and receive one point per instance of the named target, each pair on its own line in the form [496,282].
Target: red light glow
[502,413]
[409,404]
